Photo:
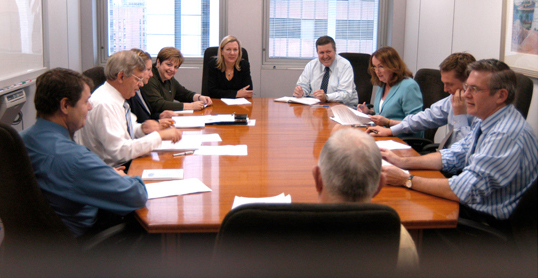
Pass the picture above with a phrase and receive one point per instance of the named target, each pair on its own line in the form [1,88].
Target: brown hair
[457,62]
[143,54]
[392,62]
[170,53]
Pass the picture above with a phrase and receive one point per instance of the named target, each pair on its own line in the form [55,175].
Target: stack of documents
[345,115]
[175,187]
[278,199]
[236,101]
[300,100]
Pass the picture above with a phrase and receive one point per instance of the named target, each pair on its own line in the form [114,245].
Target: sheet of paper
[251,122]
[181,145]
[222,150]
[347,116]
[203,138]
[278,199]
[175,187]
[386,163]
[184,112]
[189,121]
[162,174]
[235,101]
[219,118]
[391,145]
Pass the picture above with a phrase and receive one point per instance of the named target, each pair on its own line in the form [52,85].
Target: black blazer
[138,108]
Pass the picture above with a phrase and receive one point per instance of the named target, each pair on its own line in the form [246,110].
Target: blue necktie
[325,80]
[128,118]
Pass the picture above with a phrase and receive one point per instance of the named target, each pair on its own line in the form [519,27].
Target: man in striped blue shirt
[498,159]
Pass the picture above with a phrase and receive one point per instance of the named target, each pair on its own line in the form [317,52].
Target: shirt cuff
[396,129]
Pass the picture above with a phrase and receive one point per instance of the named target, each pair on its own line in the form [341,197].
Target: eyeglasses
[474,89]
[139,79]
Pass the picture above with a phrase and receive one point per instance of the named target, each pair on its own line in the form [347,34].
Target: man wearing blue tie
[329,78]
[497,159]
[111,129]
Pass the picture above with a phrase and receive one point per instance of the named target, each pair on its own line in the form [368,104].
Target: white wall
[435,29]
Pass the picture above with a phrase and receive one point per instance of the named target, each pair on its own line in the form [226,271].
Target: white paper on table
[386,163]
[345,115]
[235,101]
[251,122]
[391,145]
[278,199]
[300,100]
[181,145]
[220,118]
[222,150]
[162,174]
[203,138]
[175,187]
[184,112]
[189,121]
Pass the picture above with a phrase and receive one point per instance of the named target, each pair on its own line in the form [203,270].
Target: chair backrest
[31,226]
[524,221]
[209,53]
[525,88]
[359,62]
[97,75]
[432,88]
[308,240]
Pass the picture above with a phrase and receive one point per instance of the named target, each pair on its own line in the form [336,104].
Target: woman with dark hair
[397,95]
[229,74]
[163,89]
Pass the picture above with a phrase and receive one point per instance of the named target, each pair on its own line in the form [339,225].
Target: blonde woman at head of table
[398,95]
[229,74]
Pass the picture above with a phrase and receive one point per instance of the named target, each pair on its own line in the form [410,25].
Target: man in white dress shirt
[329,78]
[111,130]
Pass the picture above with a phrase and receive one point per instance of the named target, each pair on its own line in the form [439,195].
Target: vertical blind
[294,26]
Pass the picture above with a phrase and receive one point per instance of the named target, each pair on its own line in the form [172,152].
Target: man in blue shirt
[497,159]
[450,110]
[329,78]
[75,181]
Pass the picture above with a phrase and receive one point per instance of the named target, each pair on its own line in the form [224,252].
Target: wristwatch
[409,182]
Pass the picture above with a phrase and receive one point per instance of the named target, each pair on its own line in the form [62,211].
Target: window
[189,25]
[293,26]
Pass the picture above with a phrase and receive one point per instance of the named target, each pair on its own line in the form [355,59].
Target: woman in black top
[229,75]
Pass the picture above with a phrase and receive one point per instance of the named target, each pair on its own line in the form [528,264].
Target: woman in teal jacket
[397,95]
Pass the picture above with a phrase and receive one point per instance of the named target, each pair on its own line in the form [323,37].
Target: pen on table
[183,153]
[325,105]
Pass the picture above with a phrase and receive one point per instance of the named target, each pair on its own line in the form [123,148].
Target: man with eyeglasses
[497,159]
[111,129]
[449,111]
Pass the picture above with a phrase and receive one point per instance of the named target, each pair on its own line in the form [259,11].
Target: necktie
[128,118]
[478,133]
[443,142]
[325,80]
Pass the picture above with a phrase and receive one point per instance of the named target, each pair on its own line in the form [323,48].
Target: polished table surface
[283,147]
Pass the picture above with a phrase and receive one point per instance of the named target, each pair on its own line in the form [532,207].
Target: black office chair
[432,88]
[524,92]
[209,53]
[97,75]
[36,241]
[307,240]
[359,62]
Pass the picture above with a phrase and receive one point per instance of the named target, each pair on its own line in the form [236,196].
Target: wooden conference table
[283,146]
